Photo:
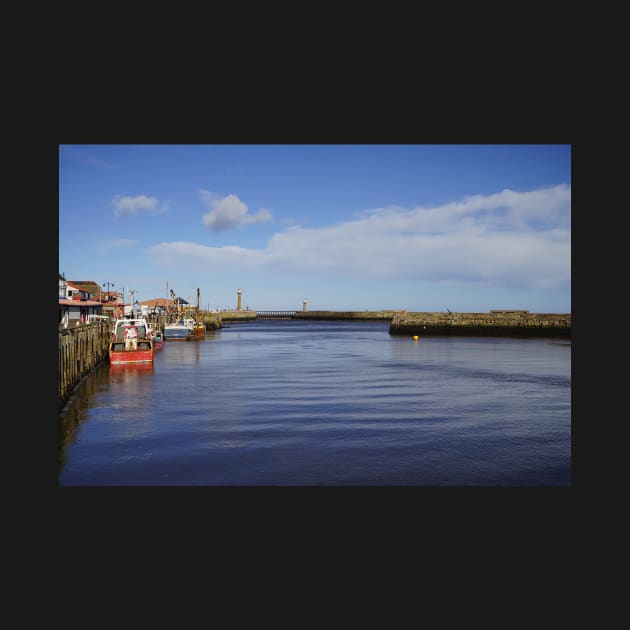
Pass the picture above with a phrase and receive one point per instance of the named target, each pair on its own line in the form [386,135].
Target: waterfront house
[88,286]
[75,304]
[158,306]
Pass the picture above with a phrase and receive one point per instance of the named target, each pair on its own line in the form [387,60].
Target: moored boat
[199,328]
[187,325]
[158,340]
[156,334]
[131,342]
[180,329]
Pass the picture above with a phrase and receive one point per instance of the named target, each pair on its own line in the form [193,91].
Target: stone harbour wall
[501,323]
[337,315]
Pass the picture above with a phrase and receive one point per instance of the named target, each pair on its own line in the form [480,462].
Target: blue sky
[346,227]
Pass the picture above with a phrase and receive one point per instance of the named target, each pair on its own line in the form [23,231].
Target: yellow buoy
[415,337]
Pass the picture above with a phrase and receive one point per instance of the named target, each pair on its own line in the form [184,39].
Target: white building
[75,304]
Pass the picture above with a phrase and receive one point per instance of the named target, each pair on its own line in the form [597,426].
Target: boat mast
[175,299]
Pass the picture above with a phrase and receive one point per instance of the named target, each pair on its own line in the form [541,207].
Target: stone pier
[495,323]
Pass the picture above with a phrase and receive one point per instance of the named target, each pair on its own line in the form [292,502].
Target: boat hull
[118,368]
[119,354]
[177,333]
[185,328]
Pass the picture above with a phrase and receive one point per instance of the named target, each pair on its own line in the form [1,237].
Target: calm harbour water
[299,403]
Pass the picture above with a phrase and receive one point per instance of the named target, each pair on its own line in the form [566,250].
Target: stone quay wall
[236,316]
[338,315]
[494,323]
[212,321]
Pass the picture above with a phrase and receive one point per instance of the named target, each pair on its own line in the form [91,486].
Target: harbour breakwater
[231,316]
[212,321]
[347,315]
[512,323]
[517,323]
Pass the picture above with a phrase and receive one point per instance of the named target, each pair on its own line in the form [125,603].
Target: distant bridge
[275,314]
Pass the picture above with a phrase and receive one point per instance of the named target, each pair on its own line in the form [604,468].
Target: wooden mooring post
[81,349]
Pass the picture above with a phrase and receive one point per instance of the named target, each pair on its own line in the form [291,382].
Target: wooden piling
[81,349]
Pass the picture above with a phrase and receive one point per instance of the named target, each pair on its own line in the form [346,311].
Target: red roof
[163,302]
[79,302]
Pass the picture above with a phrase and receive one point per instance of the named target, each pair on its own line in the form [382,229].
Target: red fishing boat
[156,334]
[131,342]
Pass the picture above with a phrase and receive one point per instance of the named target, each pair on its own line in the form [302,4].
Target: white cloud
[229,212]
[135,205]
[115,243]
[508,239]
[182,254]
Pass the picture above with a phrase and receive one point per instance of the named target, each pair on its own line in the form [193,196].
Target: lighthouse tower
[304,305]
[238,302]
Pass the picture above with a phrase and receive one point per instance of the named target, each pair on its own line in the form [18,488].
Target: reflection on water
[326,403]
[132,385]
[78,407]
[129,369]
